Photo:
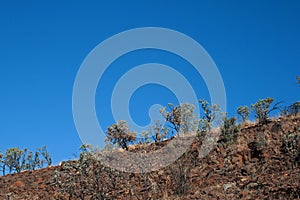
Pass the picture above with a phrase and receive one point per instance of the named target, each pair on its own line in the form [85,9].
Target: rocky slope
[263,163]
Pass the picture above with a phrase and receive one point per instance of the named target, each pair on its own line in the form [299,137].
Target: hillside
[262,163]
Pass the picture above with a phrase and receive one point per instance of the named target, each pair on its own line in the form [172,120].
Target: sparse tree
[24,161]
[120,134]
[29,161]
[37,161]
[33,160]
[210,114]
[262,109]
[243,112]
[2,163]
[17,160]
[13,158]
[173,116]
[292,109]
[210,111]
[145,137]
[45,154]
[180,117]
[158,131]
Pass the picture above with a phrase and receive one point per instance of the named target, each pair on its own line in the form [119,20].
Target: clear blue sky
[255,45]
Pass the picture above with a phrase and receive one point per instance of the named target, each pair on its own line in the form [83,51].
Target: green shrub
[243,112]
[229,130]
[262,109]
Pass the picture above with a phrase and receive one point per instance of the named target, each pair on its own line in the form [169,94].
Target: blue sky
[255,45]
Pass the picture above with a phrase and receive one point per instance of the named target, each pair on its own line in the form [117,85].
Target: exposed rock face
[263,163]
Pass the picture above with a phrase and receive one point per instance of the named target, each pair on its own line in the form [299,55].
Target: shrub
[17,160]
[13,159]
[158,132]
[291,146]
[180,172]
[173,116]
[262,109]
[209,114]
[34,160]
[229,130]
[203,127]
[87,178]
[120,134]
[210,111]
[243,112]
[2,163]
[145,139]
[180,117]
[292,109]
[45,154]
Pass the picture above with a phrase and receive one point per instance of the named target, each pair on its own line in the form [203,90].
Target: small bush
[120,134]
[180,117]
[262,109]
[17,160]
[87,177]
[45,154]
[229,130]
[243,112]
[13,159]
[209,115]
[158,132]
[210,111]
[2,163]
[291,146]
[292,109]
[180,171]
[203,128]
